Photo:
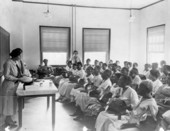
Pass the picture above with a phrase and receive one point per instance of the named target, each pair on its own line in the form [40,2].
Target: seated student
[162,64]
[125,71]
[82,100]
[154,77]
[155,66]
[69,66]
[129,65]
[66,88]
[80,72]
[135,78]
[96,63]
[45,70]
[146,71]
[145,112]
[163,93]
[101,66]
[104,67]
[87,64]
[135,65]
[87,80]
[123,92]
[165,71]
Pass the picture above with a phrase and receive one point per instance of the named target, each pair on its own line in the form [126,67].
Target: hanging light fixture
[131,17]
[47,12]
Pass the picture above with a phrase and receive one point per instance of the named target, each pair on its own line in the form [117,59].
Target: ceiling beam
[151,4]
[84,6]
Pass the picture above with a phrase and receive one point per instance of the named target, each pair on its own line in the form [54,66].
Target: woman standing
[13,70]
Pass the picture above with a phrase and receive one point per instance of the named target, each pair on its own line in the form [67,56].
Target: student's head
[133,73]
[125,63]
[166,69]
[145,88]
[88,61]
[125,71]
[129,65]
[101,64]
[154,75]
[74,66]
[124,81]
[75,52]
[69,63]
[117,63]
[89,70]
[154,66]
[79,65]
[110,67]
[16,54]
[104,66]
[162,63]
[110,61]
[135,65]
[97,70]
[96,62]
[106,74]
[147,67]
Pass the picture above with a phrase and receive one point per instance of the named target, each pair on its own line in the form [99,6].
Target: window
[55,44]
[155,44]
[96,44]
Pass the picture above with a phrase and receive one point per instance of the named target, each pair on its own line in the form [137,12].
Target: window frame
[69,42]
[147,42]
[107,53]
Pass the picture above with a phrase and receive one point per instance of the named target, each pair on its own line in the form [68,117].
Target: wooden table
[43,88]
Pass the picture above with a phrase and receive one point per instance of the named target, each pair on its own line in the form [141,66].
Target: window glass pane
[156,42]
[100,56]
[55,58]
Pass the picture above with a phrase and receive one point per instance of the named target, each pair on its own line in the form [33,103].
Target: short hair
[75,51]
[97,68]
[125,68]
[88,59]
[79,63]
[90,68]
[154,65]
[130,64]
[163,62]
[126,80]
[104,64]
[155,73]
[15,52]
[108,73]
[147,86]
[135,71]
[135,64]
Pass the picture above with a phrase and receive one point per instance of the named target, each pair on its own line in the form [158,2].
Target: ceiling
[135,4]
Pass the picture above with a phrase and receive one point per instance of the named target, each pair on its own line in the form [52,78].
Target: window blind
[54,39]
[96,40]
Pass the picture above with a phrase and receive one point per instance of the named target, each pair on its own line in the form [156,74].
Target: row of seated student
[117,97]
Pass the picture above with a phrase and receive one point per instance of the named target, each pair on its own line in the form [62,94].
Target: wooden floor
[36,117]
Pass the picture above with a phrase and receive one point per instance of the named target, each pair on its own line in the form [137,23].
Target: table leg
[53,112]
[20,106]
[48,102]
